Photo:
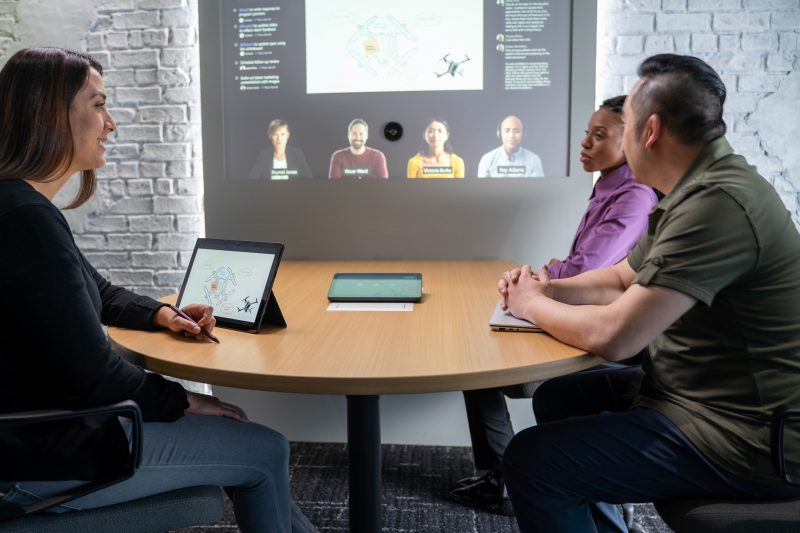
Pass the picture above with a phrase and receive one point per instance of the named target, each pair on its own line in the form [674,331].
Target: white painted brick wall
[145,227]
[8,25]
[753,44]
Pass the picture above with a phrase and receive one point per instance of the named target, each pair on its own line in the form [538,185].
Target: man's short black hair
[686,94]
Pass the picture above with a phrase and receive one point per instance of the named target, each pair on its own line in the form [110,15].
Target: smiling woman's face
[90,123]
[436,134]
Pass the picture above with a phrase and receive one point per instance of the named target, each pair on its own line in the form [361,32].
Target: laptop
[505,321]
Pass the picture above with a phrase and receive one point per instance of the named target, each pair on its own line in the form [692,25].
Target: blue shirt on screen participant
[520,164]
[510,159]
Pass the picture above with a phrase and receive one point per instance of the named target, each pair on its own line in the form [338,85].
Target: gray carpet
[415,482]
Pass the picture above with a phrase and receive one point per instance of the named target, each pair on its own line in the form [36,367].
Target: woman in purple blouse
[614,220]
[617,213]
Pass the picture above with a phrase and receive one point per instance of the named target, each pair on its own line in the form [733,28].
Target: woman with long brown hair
[55,353]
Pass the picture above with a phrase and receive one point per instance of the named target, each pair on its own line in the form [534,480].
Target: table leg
[364,454]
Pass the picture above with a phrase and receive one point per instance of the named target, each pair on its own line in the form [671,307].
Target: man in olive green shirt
[712,287]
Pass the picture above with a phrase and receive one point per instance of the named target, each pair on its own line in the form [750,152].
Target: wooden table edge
[362,385]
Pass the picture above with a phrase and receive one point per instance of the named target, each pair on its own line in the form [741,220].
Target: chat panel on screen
[314,89]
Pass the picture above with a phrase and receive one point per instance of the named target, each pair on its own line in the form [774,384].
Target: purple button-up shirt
[614,220]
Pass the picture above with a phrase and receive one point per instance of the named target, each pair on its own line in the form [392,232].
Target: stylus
[203,330]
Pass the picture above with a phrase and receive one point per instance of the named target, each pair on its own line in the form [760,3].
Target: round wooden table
[444,344]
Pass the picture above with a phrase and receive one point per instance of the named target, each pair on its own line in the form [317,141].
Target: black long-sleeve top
[54,352]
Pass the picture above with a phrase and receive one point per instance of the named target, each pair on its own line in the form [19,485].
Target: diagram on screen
[231,282]
[217,289]
[360,46]
[381,45]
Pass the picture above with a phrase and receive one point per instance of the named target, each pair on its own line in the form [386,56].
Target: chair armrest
[779,418]
[127,408]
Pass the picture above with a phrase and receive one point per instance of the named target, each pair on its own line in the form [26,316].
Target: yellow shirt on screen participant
[416,169]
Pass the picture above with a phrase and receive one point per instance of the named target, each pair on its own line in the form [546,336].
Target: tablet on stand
[235,278]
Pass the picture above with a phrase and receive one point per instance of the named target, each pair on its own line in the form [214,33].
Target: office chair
[735,516]
[153,514]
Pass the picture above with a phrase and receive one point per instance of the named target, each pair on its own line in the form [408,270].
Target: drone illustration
[248,305]
[453,67]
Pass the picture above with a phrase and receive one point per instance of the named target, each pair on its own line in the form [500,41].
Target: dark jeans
[490,427]
[591,451]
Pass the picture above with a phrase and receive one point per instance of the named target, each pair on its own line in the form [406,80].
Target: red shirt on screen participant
[346,164]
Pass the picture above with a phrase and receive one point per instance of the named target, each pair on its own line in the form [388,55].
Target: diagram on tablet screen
[216,288]
[231,282]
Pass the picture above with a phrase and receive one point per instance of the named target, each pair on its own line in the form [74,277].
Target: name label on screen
[356,171]
[511,170]
[437,170]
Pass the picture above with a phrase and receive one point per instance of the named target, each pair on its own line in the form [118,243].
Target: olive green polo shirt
[724,237]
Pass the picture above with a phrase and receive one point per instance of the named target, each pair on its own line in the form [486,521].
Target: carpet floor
[416,480]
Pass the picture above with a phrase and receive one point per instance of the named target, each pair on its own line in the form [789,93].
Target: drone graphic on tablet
[248,305]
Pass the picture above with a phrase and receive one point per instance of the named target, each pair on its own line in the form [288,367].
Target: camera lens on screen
[393,131]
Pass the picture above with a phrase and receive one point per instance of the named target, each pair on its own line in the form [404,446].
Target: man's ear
[652,131]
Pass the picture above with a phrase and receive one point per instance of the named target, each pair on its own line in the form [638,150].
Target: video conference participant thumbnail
[358,160]
[436,158]
[510,159]
[279,161]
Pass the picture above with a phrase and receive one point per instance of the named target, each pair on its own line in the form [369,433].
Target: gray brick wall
[753,44]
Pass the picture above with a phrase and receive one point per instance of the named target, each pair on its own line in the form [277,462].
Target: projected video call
[379,89]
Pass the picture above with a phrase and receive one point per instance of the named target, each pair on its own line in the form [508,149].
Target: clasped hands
[520,286]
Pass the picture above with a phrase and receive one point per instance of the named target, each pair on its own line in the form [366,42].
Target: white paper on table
[371,306]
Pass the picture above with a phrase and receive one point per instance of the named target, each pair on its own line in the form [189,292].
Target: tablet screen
[375,288]
[235,277]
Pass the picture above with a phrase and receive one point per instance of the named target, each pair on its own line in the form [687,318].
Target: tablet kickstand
[272,314]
